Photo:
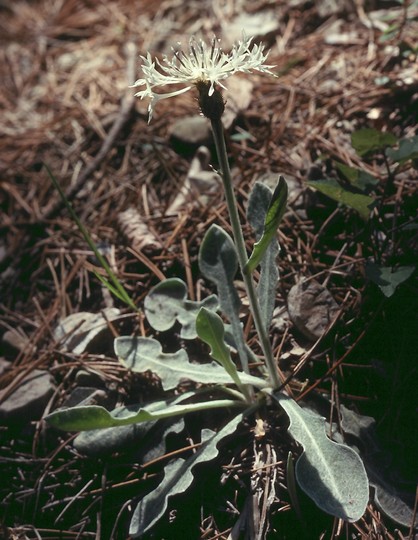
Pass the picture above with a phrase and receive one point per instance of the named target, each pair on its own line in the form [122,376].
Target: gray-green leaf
[259,203]
[210,329]
[389,498]
[218,262]
[148,439]
[276,209]
[145,354]
[387,278]
[332,474]
[96,417]
[167,303]
[408,149]
[178,476]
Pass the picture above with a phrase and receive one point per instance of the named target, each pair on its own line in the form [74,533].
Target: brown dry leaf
[137,231]
[311,308]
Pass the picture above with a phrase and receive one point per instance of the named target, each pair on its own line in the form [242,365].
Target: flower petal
[202,63]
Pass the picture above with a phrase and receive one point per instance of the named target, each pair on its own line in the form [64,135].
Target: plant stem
[231,202]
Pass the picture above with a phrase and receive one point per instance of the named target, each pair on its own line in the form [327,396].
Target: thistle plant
[331,473]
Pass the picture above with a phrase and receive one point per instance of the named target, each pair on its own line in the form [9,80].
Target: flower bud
[212,106]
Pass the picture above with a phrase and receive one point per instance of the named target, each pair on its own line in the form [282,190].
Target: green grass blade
[114,285]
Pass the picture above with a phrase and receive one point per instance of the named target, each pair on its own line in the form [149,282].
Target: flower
[203,66]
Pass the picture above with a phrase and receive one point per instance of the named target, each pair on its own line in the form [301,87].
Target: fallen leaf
[311,308]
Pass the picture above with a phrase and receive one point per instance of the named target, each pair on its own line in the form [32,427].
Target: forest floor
[65,104]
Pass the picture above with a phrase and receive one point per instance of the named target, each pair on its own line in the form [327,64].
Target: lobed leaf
[145,354]
[167,303]
[178,476]
[148,438]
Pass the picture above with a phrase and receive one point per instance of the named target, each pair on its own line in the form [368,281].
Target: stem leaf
[276,209]
[218,262]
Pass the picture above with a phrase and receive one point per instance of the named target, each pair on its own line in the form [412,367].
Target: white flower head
[203,65]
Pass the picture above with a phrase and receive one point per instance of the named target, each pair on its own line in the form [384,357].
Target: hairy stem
[231,201]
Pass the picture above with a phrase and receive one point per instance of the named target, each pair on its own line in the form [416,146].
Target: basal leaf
[210,328]
[273,217]
[148,438]
[369,140]
[178,477]
[81,418]
[167,303]
[359,202]
[145,354]
[96,417]
[84,331]
[332,474]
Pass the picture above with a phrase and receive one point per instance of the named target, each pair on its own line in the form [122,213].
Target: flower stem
[231,202]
